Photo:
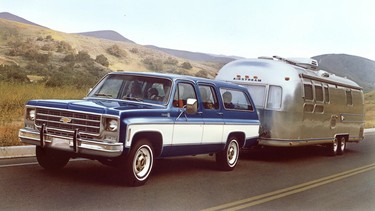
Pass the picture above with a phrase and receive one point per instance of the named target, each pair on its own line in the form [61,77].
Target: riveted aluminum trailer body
[297,103]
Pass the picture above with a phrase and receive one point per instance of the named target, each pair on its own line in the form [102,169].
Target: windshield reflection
[133,88]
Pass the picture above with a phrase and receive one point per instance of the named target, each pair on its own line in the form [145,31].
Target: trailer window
[319,93]
[326,94]
[308,92]
[258,94]
[274,97]
[349,98]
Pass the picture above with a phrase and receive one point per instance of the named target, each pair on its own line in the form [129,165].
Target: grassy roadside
[12,103]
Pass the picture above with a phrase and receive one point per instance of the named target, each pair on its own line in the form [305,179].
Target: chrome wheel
[139,163]
[227,159]
[142,162]
[232,153]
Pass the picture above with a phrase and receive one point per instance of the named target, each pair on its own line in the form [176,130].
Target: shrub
[134,50]
[153,64]
[101,59]
[83,56]
[202,74]
[69,58]
[13,74]
[64,47]
[115,50]
[171,61]
[186,65]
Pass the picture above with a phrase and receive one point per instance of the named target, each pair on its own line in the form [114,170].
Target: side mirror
[191,106]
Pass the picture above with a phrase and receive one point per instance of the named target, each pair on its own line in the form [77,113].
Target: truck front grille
[65,122]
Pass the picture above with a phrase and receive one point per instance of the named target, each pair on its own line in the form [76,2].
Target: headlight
[112,125]
[30,114]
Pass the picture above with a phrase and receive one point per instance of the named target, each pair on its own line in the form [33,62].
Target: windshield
[135,88]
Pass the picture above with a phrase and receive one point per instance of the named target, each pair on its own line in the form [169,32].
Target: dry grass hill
[120,55]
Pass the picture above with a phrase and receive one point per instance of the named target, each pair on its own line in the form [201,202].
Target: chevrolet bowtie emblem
[65,120]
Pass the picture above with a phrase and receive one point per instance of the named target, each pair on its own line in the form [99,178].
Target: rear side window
[274,97]
[235,100]
[209,99]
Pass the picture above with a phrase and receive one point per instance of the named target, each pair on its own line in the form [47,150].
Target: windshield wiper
[103,95]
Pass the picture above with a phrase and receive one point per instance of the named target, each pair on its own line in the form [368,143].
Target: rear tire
[139,163]
[51,159]
[227,159]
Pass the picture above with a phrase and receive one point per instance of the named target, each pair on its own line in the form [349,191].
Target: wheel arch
[240,138]
[155,138]
[339,135]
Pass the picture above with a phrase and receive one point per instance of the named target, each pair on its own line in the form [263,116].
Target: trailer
[298,103]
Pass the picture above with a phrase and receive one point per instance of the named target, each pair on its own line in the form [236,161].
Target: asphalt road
[282,179]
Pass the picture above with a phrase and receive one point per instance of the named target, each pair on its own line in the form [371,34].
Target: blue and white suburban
[129,119]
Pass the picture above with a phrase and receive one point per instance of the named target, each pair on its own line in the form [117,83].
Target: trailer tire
[51,159]
[227,159]
[334,147]
[341,145]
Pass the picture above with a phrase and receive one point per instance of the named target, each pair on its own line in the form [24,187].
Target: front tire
[139,163]
[228,158]
[51,159]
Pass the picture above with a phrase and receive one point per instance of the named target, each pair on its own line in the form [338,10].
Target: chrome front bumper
[75,144]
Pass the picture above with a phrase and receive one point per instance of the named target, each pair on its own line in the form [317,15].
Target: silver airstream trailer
[299,104]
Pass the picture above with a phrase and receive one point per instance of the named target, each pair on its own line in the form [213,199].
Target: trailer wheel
[139,163]
[51,159]
[341,145]
[227,159]
[334,147]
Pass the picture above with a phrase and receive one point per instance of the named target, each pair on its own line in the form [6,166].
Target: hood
[110,107]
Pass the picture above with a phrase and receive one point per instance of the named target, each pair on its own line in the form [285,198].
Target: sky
[246,28]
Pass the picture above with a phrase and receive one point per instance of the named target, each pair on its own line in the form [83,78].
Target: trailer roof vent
[306,63]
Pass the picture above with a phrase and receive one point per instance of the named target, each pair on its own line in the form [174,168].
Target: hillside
[196,56]
[358,69]
[11,17]
[123,54]
[107,34]
[39,48]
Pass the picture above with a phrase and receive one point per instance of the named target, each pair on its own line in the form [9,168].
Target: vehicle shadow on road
[277,154]
[93,172]
[184,164]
